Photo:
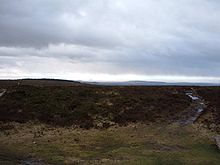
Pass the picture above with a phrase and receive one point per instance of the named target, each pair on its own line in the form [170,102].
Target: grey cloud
[147,37]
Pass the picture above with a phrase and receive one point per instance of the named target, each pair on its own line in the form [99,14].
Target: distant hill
[151,83]
[59,82]
[40,82]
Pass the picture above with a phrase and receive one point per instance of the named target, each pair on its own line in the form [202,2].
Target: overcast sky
[110,40]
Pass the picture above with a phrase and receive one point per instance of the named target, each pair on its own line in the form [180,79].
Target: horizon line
[109,81]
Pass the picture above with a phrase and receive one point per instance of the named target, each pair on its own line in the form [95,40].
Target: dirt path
[194,111]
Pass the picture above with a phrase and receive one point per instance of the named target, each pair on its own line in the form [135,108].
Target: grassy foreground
[131,144]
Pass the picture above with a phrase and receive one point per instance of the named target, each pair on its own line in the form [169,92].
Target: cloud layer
[49,38]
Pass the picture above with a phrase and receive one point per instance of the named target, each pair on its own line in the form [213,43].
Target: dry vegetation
[211,117]
[87,106]
[83,124]
[132,144]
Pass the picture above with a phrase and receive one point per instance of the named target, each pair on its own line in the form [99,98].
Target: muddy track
[193,112]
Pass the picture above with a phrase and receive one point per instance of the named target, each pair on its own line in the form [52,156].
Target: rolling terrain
[67,122]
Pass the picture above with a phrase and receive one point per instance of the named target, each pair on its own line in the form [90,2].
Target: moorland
[67,122]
